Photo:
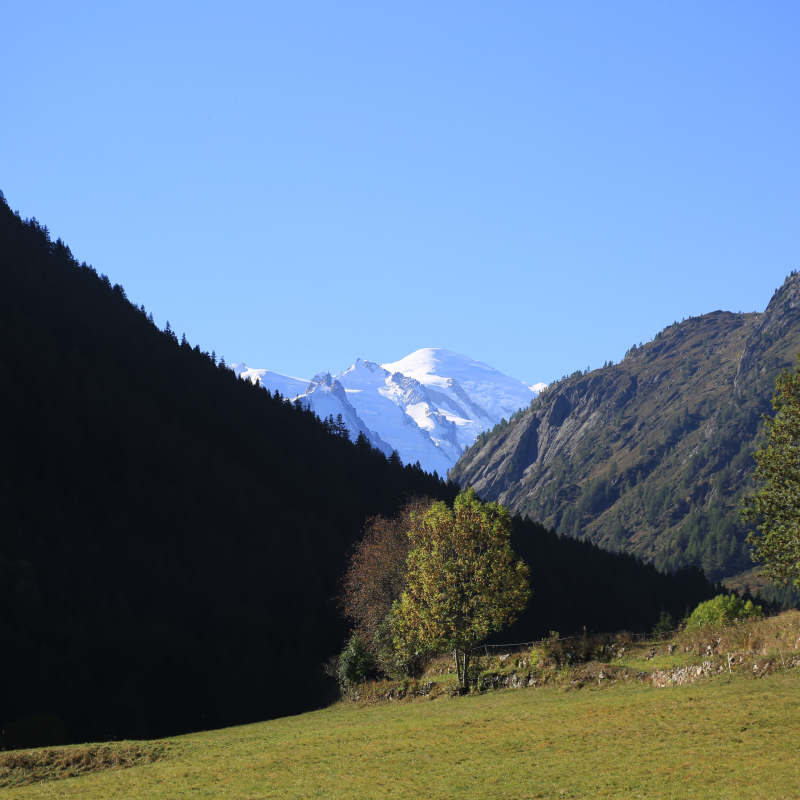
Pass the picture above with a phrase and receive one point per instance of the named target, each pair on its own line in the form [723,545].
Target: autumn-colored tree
[463,581]
[775,507]
[376,577]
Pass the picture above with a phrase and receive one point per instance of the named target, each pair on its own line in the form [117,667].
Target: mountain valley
[156,576]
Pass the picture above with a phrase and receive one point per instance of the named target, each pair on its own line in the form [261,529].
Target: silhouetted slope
[578,584]
[170,536]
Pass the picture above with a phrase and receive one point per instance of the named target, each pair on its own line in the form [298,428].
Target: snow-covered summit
[429,406]
[274,381]
[469,385]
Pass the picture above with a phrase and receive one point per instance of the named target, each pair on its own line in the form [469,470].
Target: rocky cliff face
[773,338]
[650,455]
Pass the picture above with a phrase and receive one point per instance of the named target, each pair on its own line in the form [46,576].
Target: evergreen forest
[172,538]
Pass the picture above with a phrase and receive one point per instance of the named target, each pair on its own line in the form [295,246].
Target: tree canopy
[375,579]
[775,507]
[723,609]
[463,580]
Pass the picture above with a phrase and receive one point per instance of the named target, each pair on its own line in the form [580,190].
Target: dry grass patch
[22,767]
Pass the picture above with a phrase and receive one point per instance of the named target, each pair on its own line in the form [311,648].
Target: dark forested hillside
[650,456]
[578,584]
[170,536]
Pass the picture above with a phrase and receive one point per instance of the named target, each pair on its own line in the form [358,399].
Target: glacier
[429,406]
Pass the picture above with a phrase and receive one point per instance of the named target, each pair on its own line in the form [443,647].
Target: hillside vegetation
[650,456]
[733,735]
[744,648]
[170,536]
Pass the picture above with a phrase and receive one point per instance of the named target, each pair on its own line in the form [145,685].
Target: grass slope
[731,736]
[737,739]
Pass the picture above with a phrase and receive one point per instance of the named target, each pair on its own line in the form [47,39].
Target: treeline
[578,584]
[170,535]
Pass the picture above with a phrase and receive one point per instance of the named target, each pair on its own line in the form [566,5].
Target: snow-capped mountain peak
[470,389]
[429,406]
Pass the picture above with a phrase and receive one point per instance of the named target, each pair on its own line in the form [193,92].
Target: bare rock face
[651,455]
[772,334]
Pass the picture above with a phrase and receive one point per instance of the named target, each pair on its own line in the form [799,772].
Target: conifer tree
[363,443]
[775,507]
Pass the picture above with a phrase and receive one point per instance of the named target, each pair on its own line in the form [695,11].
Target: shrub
[665,624]
[722,610]
[355,662]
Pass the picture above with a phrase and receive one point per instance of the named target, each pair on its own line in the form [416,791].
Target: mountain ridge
[651,455]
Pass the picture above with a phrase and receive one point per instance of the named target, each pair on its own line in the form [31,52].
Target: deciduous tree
[376,578]
[463,582]
[723,609]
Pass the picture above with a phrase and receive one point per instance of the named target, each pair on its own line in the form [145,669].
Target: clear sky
[296,184]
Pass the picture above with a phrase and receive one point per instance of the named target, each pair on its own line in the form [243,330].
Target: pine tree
[775,507]
[363,443]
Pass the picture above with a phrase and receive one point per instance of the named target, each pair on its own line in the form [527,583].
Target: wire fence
[642,637]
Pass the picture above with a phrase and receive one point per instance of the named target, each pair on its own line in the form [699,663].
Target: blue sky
[297,184]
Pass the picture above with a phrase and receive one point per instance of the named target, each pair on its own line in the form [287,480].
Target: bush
[389,660]
[665,624]
[722,610]
[355,662]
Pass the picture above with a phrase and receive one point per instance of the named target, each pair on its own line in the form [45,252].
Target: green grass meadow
[721,738]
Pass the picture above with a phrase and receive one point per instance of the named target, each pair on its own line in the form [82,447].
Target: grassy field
[728,737]
[735,733]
